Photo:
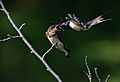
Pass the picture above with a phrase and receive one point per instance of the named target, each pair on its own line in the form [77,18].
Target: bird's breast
[55,40]
[75,26]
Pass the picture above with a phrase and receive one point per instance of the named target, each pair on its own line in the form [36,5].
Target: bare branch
[22,26]
[48,51]
[98,76]
[88,69]
[88,73]
[96,73]
[1,9]
[107,78]
[28,44]
[9,37]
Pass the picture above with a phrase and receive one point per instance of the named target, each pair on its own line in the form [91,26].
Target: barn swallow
[55,40]
[77,25]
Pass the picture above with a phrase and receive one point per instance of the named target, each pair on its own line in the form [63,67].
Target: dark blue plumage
[76,24]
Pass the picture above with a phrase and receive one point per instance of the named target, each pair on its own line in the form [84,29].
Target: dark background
[101,43]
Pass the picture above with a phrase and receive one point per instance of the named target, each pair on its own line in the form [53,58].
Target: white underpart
[55,40]
[74,26]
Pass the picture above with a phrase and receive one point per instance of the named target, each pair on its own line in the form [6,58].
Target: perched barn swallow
[52,36]
[77,25]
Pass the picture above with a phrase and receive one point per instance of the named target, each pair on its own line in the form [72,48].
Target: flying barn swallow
[78,25]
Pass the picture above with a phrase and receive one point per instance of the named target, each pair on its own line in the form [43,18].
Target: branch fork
[41,58]
[9,37]
[48,51]
[22,26]
[89,75]
[27,43]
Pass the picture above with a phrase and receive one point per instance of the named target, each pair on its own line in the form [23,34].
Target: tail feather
[67,52]
[97,20]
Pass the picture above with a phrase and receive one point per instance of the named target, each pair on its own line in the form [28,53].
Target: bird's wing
[58,36]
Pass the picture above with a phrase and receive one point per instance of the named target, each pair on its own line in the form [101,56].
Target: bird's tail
[66,52]
[97,20]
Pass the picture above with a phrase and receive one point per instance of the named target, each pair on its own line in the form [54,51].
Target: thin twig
[86,74]
[88,69]
[1,9]
[96,73]
[107,78]
[9,37]
[47,51]
[22,26]
[29,45]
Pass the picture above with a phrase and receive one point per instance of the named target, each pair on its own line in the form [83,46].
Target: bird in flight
[78,25]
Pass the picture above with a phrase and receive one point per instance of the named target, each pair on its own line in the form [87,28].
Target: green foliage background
[101,43]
